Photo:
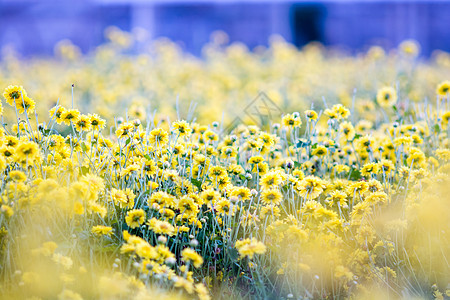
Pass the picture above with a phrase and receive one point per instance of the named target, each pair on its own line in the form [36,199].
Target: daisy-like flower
[445,119]
[161,227]
[123,198]
[341,111]
[271,196]
[311,115]
[26,104]
[100,230]
[137,111]
[135,218]
[369,169]
[250,247]
[14,93]
[83,123]
[189,255]
[386,97]
[347,130]
[70,115]
[97,123]
[320,151]
[158,137]
[124,130]
[26,151]
[56,112]
[223,206]
[182,128]
[17,176]
[271,180]
[310,187]
[243,193]
[443,89]
[290,120]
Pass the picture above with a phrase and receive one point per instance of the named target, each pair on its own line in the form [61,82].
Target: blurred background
[34,27]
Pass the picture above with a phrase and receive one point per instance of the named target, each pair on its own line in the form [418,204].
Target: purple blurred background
[33,27]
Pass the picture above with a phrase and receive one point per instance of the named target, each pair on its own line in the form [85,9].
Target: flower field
[119,182]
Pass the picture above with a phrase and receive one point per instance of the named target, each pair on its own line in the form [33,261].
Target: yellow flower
[70,115]
[102,230]
[376,198]
[320,151]
[7,210]
[445,119]
[311,115]
[210,196]
[97,208]
[342,272]
[83,123]
[26,151]
[64,261]
[409,48]
[189,255]
[443,88]
[250,247]
[270,180]
[187,206]
[25,104]
[347,130]
[310,187]
[123,198]
[161,227]
[369,169]
[17,176]
[243,193]
[135,218]
[340,111]
[271,196]
[97,123]
[182,128]
[161,199]
[210,135]
[158,137]
[290,120]
[185,284]
[443,154]
[223,206]
[337,197]
[138,112]
[202,292]
[78,208]
[386,97]
[14,93]
[57,112]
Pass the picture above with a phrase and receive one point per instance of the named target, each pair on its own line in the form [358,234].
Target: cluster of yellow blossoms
[130,77]
[328,203]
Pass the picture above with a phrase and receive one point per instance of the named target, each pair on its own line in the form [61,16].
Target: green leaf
[355,174]
[84,170]
[83,146]
[197,183]
[437,128]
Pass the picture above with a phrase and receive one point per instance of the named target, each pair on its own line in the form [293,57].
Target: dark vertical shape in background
[307,23]
[33,27]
